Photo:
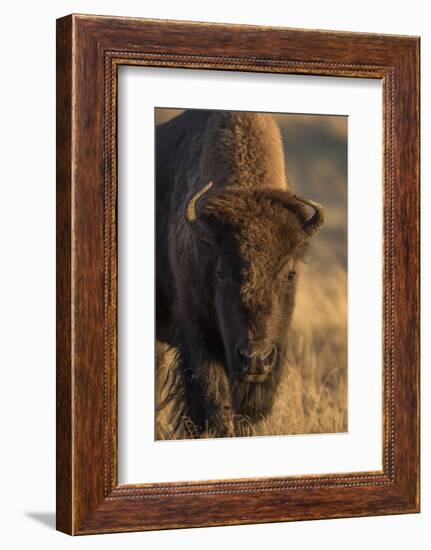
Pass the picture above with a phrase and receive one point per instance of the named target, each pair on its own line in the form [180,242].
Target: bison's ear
[195,221]
[311,214]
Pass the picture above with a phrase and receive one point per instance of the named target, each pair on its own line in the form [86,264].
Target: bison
[229,235]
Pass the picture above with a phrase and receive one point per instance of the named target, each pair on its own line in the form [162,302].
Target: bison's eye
[291,276]
[220,276]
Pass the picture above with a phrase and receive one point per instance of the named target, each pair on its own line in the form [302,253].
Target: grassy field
[312,396]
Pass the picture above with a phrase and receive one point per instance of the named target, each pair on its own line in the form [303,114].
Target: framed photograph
[237,274]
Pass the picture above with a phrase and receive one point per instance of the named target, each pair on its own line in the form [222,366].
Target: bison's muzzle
[257,364]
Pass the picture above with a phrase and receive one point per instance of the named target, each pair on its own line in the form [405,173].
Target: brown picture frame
[89,51]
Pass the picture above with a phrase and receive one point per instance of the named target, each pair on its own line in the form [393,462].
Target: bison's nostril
[243,354]
[268,354]
[268,358]
[244,359]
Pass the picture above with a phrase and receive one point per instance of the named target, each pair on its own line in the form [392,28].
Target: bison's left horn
[199,228]
[313,224]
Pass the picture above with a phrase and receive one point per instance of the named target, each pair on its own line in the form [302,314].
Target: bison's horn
[199,227]
[313,224]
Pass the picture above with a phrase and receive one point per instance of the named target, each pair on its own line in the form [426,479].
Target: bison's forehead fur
[263,228]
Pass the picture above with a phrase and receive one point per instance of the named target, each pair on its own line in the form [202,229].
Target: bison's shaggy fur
[235,289]
[266,235]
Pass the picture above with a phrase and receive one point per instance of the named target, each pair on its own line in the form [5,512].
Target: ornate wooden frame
[89,51]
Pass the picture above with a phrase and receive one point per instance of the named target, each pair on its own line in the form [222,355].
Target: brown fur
[267,232]
[258,230]
[245,150]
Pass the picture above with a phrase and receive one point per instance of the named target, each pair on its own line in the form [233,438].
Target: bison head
[253,240]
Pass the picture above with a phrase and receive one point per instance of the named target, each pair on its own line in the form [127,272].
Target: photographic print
[251,274]
[204,247]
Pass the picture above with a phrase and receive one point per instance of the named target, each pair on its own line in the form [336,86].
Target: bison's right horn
[199,228]
[313,224]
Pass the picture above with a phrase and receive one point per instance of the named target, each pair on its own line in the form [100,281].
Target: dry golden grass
[312,396]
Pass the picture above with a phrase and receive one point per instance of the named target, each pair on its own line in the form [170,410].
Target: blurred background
[313,395]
